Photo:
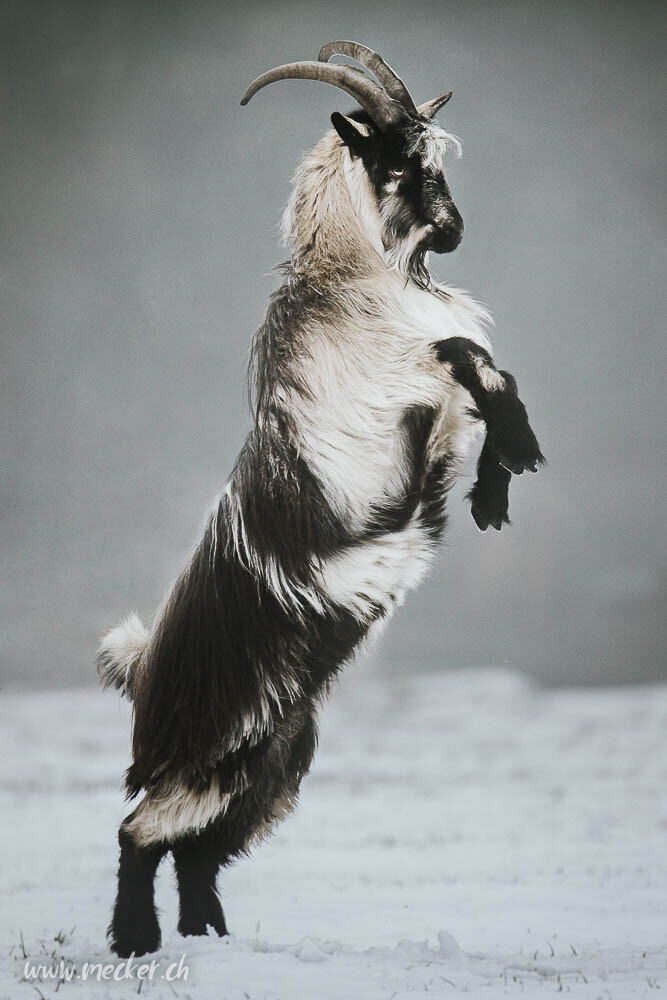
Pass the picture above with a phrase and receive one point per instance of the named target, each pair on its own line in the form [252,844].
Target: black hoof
[513,465]
[519,452]
[485,518]
[512,438]
[137,939]
[201,912]
[199,928]
[480,520]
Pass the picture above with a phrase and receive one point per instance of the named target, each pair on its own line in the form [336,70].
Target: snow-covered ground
[459,834]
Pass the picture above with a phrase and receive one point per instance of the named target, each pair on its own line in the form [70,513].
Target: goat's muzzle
[446,230]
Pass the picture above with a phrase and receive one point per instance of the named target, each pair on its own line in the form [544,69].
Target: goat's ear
[357,135]
[431,108]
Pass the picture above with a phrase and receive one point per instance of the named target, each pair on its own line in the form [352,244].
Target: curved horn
[390,80]
[382,109]
[431,108]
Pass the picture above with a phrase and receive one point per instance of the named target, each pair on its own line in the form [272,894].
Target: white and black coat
[368,382]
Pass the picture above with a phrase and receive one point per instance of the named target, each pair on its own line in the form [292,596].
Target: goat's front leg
[510,445]
[495,396]
[489,497]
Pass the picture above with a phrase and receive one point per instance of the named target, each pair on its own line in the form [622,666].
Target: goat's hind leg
[197,859]
[134,927]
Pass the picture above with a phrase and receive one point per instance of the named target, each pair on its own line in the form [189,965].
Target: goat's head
[399,145]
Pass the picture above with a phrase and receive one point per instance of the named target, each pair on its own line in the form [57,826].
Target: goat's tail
[119,654]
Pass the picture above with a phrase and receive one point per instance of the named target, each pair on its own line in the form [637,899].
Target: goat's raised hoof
[516,445]
[489,508]
[517,465]
[484,520]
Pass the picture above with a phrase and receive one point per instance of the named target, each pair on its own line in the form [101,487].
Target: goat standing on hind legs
[368,381]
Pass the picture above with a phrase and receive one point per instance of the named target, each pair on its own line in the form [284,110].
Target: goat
[368,381]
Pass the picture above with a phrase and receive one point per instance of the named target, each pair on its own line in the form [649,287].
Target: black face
[414,196]
[414,200]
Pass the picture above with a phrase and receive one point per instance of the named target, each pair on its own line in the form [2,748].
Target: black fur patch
[434,498]
[394,514]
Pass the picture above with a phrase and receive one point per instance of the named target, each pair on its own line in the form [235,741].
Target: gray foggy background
[140,206]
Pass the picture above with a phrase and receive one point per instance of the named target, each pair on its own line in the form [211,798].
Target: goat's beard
[417,268]
[408,255]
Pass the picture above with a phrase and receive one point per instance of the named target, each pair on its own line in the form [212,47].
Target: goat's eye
[396,172]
